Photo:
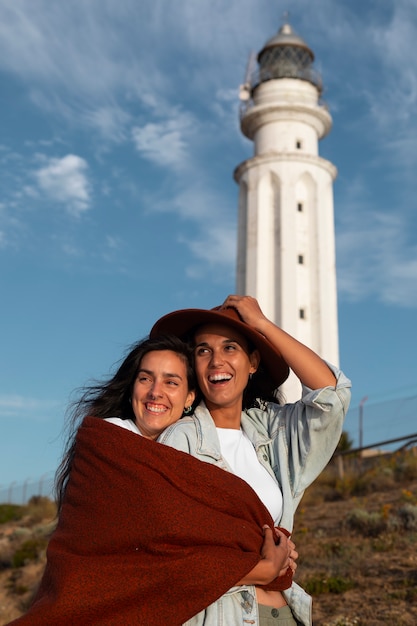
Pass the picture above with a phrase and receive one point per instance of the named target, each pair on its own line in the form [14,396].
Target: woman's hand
[276,558]
[248,309]
[306,364]
[293,555]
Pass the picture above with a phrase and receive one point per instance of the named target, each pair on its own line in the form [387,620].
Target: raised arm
[304,362]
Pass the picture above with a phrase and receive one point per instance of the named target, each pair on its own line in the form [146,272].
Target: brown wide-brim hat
[182,323]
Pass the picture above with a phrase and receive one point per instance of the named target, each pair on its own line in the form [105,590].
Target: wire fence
[22,492]
[379,421]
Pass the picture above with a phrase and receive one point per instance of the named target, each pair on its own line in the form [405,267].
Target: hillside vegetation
[356,536]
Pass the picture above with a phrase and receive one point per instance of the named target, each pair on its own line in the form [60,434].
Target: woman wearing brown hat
[241,358]
[135,532]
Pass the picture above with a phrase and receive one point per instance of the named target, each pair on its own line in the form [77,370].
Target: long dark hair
[261,390]
[111,398]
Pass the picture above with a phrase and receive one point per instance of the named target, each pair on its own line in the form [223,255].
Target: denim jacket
[294,442]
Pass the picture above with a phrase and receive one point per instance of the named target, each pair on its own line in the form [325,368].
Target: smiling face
[160,392]
[223,364]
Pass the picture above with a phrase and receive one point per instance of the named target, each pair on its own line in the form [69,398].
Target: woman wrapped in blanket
[147,534]
[241,358]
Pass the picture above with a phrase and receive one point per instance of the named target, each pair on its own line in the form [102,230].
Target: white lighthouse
[286,240]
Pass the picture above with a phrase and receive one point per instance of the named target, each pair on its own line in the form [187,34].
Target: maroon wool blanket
[147,535]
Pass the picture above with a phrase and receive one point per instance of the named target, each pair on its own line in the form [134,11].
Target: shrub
[349,485]
[368,524]
[405,467]
[354,484]
[10,513]
[345,442]
[30,550]
[15,586]
[321,583]
[6,553]
[335,548]
[407,514]
[21,532]
[40,508]
[386,543]
[408,496]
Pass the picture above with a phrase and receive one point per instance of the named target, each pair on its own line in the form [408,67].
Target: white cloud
[402,280]
[215,247]
[86,56]
[14,405]
[213,233]
[109,121]
[376,258]
[64,180]
[394,100]
[113,250]
[71,250]
[165,143]
[81,59]
[113,243]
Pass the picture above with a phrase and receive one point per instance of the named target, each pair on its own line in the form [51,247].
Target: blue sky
[119,135]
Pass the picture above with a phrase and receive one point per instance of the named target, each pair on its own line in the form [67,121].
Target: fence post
[10,492]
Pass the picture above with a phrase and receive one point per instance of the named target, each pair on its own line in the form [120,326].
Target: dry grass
[357,539]
[24,533]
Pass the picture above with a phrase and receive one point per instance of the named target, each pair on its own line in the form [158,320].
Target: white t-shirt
[239,452]
[128,424]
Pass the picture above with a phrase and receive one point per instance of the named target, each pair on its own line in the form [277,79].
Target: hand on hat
[248,309]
